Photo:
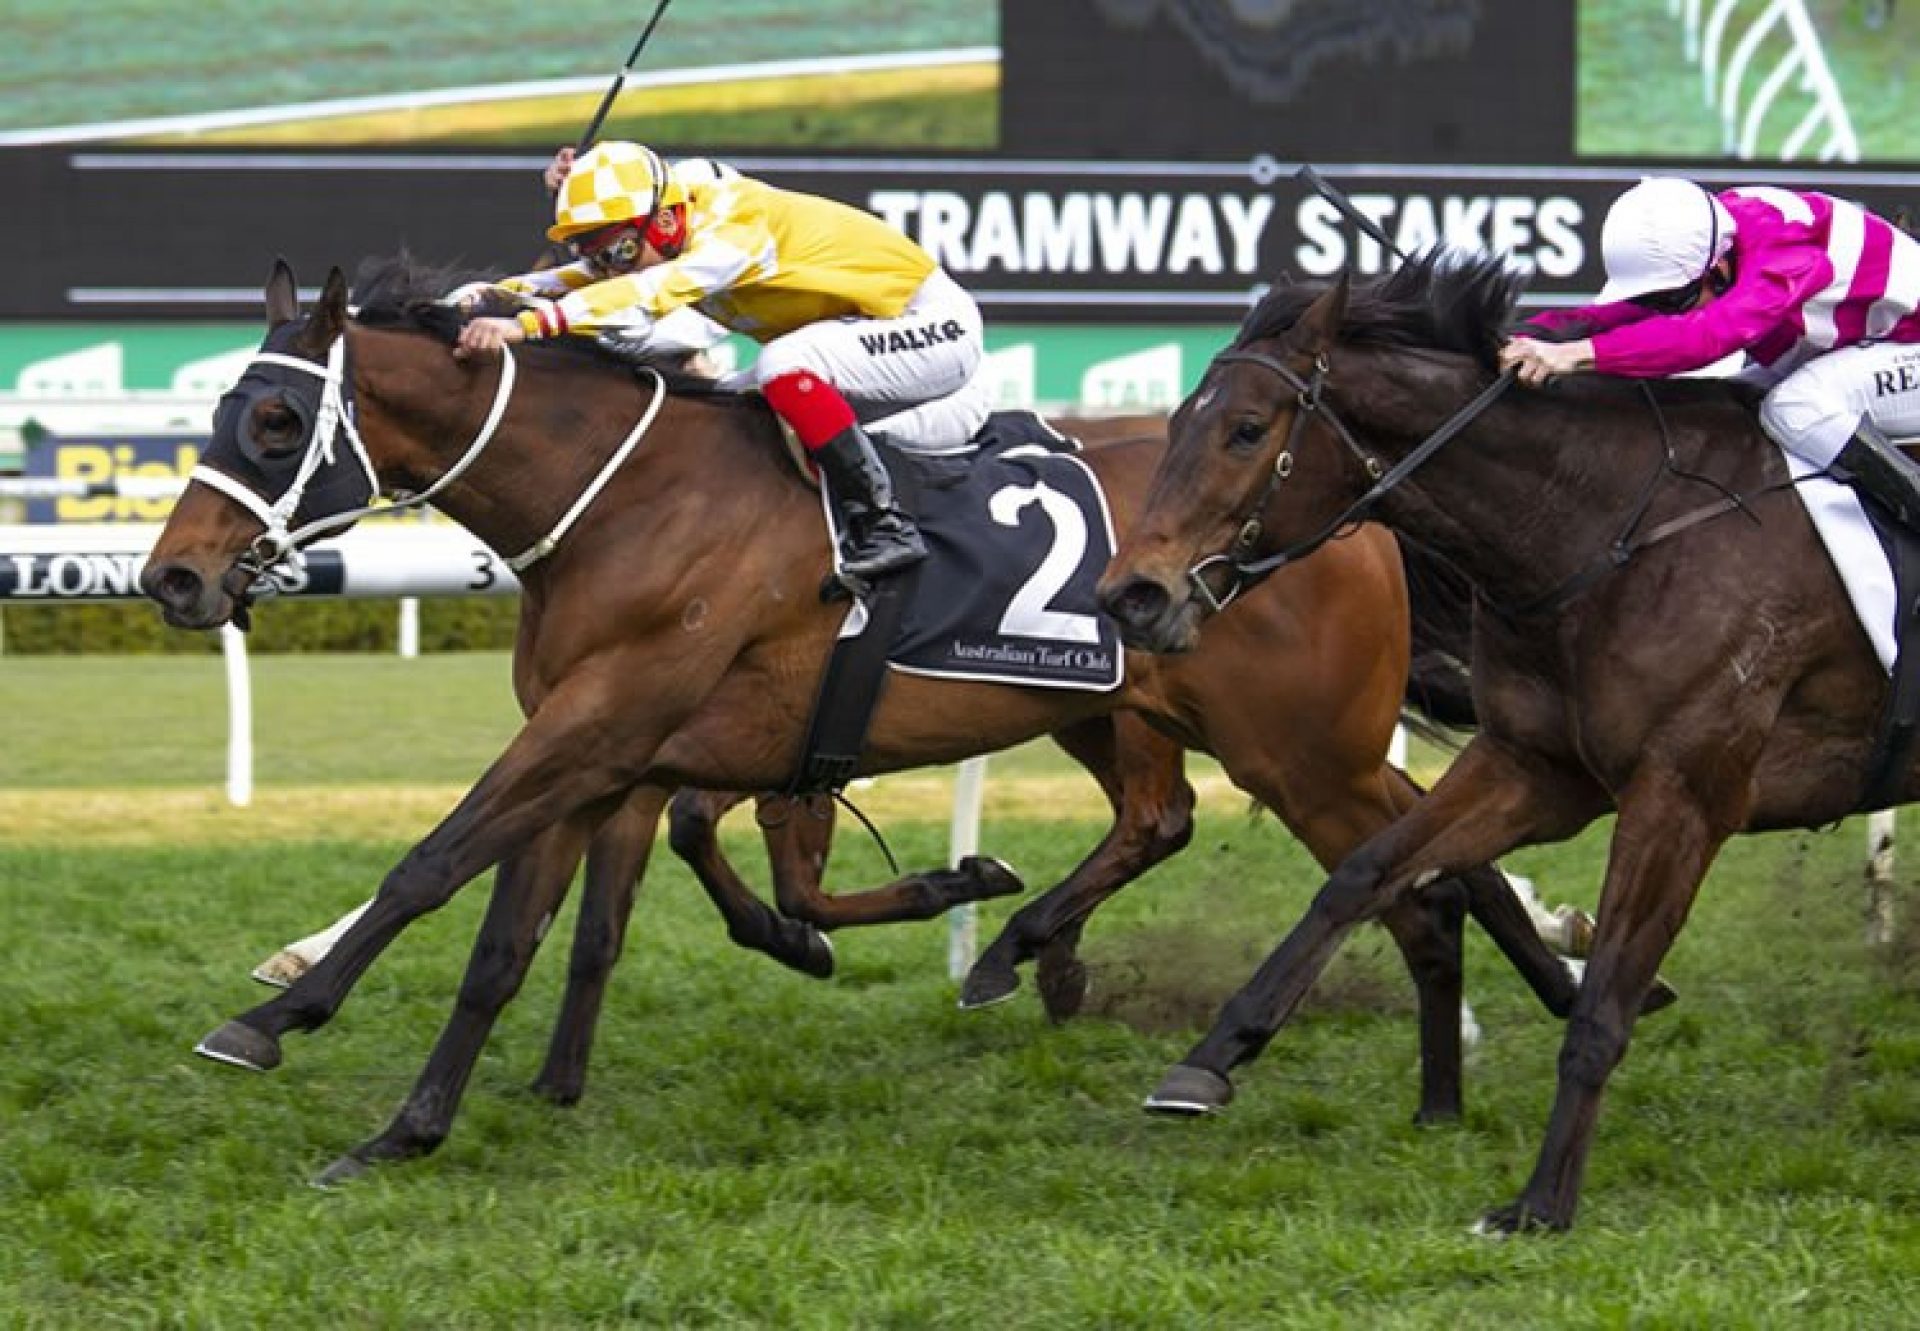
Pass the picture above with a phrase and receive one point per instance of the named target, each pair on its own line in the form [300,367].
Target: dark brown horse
[1640,644]
[672,636]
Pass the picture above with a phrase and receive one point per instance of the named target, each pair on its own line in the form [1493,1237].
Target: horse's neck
[1528,494]
[561,426]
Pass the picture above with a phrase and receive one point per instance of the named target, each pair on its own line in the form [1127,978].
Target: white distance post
[963,839]
[409,628]
[233,646]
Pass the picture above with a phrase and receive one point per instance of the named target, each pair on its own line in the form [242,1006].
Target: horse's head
[1234,446]
[1320,410]
[280,457]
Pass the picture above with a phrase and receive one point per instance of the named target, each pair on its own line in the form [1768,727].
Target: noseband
[1310,400]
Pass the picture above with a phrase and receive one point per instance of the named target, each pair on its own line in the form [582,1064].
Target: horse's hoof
[1517,1218]
[996,877]
[988,985]
[562,1094]
[344,1170]
[281,969]
[242,1046]
[1189,1092]
[1661,995]
[816,956]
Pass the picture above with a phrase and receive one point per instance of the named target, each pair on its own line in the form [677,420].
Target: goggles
[610,251]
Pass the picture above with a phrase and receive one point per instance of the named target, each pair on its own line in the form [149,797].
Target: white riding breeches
[912,376]
[1815,409]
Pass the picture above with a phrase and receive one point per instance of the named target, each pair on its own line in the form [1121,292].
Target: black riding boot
[876,537]
[1873,466]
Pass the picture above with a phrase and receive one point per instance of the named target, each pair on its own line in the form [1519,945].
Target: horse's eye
[1246,433]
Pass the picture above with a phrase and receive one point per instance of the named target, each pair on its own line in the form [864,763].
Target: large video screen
[1819,80]
[1069,161]
[372,74]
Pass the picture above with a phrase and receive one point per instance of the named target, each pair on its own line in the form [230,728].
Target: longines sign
[1035,239]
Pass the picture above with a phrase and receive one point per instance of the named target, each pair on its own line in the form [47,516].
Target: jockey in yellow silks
[858,324]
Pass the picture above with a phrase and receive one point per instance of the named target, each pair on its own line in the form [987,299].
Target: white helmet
[1661,234]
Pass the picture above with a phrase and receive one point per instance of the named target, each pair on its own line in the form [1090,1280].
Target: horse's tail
[1439,687]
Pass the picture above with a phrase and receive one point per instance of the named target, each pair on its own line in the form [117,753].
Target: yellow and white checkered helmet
[613,182]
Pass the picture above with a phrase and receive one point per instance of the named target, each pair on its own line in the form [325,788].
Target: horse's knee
[1590,1052]
[594,956]
[493,977]
[690,825]
[1348,897]
[1173,830]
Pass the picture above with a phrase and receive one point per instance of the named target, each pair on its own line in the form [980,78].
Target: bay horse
[1658,631]
[671,635]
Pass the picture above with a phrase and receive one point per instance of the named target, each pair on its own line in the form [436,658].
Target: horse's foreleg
[616,861]
[1498,909]
[1485,805]
[1141,773]
[542,780]
[527,892]
[1665,838]
[693,830]
[1429,928]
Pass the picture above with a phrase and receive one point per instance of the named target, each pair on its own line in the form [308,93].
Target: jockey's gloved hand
[470,297]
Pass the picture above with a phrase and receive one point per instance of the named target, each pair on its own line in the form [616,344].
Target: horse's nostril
[173,585]
[1136,601]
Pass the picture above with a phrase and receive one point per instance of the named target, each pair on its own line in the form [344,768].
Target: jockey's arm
[1537,363]
[632,305]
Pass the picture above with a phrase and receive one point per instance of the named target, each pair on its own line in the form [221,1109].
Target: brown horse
[672,635]
[1641,643]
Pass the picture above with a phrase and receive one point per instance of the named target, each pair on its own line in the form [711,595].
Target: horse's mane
[402,292]
[1444,299]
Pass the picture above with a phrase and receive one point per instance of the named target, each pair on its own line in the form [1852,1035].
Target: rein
[1624,546]
[1308,392]
[277,543]
[1308,395]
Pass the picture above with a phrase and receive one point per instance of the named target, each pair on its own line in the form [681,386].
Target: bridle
[1310,400]
[334,419]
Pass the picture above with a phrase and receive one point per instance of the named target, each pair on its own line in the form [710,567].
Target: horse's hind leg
[1140,771]
[527,891]
[798,834]
[693,831]
[298,957]
[616,862]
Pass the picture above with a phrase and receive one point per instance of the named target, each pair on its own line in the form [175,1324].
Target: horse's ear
[1319,328]
[282,294]
[329,316]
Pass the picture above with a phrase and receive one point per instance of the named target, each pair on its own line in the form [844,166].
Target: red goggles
[611,250]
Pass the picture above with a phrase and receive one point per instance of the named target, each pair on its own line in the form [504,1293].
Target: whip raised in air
[606,103]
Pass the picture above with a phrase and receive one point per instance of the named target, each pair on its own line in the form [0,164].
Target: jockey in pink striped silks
[1820,294]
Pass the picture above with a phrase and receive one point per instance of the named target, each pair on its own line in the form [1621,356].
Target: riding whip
[606,103]
[1340,201]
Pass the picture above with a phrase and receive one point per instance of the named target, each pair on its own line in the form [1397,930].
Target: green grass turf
[757,1149]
